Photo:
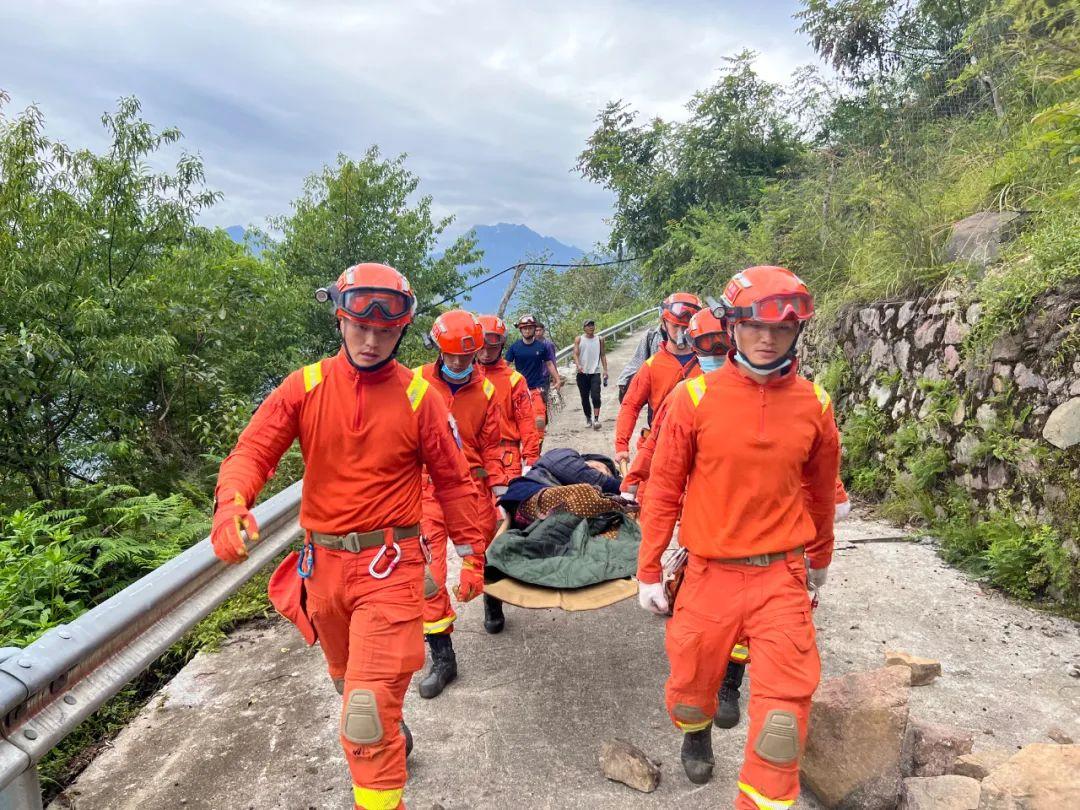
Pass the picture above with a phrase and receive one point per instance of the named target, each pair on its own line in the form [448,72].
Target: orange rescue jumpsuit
[477,417]
[365,437]
[653,381]
[518,425]
[729,440]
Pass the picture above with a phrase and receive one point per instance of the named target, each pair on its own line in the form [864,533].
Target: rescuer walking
[748,437]
[366,426]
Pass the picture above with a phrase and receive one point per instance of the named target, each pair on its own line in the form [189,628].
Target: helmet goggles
[680,311]
[494,339]
[375,304]
[711,343]
[775,308]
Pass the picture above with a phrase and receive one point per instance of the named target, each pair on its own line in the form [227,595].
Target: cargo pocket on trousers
[407,655]
[684,649]
[805,669]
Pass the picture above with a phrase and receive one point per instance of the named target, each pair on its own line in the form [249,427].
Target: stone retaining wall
[1008,416]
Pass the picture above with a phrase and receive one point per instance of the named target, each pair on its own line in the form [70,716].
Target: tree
[360,210]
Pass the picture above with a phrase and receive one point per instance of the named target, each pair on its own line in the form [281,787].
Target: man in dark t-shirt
[532,360]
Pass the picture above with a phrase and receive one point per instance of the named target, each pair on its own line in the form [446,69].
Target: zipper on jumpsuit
[358,414]
[761,421]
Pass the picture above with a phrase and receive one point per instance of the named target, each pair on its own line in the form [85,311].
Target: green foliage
[366,210]
[736,139]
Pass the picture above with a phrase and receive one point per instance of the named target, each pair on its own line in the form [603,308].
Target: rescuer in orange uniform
[366,426]
[661,372]
[747,437]
[520,441]
[472,401]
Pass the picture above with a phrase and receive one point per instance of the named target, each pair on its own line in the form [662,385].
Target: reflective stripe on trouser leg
[697,648]
[786,672]
[377,799]
[439,615]
[740,653]
[385,648]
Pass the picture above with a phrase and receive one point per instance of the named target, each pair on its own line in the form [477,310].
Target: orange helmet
[767,294]
[678,308]
[457,332]
[371,294]
[708,333]
[494,329]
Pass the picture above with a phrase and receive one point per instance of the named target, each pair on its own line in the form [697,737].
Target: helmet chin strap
[376,366]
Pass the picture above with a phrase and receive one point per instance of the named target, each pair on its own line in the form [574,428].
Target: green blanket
[564,551]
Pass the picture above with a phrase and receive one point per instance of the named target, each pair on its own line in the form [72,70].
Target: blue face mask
[457,376]
[711,362]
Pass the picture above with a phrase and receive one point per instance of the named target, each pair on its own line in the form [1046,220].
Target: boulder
[622,762]
[855,742]
[931,749]
[1062,428]
[923,670]
[978,238]
[940,793]
[978,764]
[1041,776]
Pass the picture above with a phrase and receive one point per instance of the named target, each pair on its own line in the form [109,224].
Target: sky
[492,100]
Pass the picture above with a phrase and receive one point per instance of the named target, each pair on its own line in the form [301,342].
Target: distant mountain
[504,245]
[237,234]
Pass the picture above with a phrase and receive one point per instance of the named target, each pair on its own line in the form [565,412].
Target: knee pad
[360,721]
[339,685]
[778,741]
[430,588]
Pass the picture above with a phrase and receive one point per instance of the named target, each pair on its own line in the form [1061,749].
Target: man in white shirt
[590,358]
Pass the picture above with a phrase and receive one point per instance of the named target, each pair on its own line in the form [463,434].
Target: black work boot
[697,756]
[443,665]
[408,739]
[494,621]
[727,710]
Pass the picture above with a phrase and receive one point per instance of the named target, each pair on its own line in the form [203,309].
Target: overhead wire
[494,276]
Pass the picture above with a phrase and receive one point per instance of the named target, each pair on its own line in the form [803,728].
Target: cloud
[492,100]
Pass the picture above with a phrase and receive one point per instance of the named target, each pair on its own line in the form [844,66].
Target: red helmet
[767,294]
[678,308]
[371,294]
[527,320]
[494,329]
[708,333]
[457,332]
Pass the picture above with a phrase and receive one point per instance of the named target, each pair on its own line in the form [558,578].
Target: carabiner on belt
[390,566]
[306,564]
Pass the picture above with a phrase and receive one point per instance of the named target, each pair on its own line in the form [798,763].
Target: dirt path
[255,724]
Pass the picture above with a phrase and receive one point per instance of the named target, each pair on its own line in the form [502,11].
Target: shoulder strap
[822,397]
[418,386]
[695,386]
[312,376]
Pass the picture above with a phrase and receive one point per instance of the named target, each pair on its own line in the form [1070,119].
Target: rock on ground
[1040,777]
[931,748]
[940,793]
[923,670]
[857,726]
[979,764]
[622,762]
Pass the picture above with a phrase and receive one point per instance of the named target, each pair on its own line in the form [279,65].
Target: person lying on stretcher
[583,484]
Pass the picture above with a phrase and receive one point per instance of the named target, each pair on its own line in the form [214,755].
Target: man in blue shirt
[531,359]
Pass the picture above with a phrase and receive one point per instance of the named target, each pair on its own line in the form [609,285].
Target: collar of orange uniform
[787,376]
[381,374]
[488,368]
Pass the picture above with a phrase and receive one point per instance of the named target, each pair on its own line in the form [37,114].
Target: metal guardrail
[68,673]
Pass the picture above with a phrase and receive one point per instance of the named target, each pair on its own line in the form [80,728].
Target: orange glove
[471,583]
[231,520]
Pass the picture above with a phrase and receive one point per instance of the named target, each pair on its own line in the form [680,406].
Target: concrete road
[255,724]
